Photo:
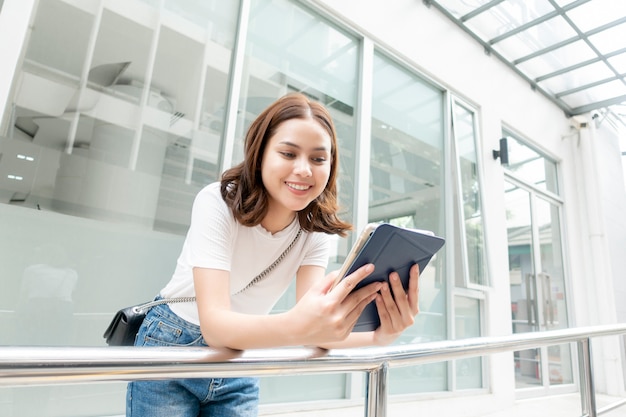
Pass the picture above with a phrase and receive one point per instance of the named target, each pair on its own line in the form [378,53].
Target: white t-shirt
[216,240]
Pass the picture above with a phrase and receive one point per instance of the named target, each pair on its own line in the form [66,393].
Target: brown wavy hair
[242,185]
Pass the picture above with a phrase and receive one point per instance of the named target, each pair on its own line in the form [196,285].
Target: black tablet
[390,248]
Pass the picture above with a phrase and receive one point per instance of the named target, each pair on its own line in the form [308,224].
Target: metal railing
[63,365]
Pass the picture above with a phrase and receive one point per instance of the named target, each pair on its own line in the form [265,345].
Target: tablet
[390,248]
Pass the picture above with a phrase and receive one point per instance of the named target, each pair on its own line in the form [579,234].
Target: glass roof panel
[522,45]
[619,62]
[564,2]
[610,40]
[596,13]
[550,36]
[545,34]
[513,48]
[506,16]
[461,8]
[595,94]
[558,59]
[580,77]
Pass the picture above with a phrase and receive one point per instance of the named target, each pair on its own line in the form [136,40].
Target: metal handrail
[63,365]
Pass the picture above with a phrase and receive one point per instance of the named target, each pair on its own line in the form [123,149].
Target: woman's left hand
[396,308]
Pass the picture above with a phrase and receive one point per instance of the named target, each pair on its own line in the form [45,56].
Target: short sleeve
[318,250]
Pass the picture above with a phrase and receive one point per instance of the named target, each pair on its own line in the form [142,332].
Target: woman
[279,204]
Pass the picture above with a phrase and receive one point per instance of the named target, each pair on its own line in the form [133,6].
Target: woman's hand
[396,308]
[327,314]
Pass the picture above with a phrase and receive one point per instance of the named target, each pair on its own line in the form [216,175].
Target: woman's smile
[298,187]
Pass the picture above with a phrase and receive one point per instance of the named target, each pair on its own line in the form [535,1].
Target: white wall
[611,186]
[428,41]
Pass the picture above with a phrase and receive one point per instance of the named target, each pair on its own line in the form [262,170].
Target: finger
[396,287]
[356,312]
[355,298]
[394,302]
[383,314]
[413,291]
[403,312]
[347,285]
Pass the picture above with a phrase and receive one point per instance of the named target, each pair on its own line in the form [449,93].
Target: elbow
[212,340]
[220,338]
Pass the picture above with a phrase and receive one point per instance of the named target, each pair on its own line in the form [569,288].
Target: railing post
[587,389]
[376,392]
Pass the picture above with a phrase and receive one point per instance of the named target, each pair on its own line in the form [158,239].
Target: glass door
[537,281]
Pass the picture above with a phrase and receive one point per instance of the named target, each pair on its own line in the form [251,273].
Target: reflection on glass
[523,300]
[120,75]
[554,311]
[467,320]
[116,122]
[538,296]
[290,49]
[406,189]
[46,303]
[131,114]
[470,197]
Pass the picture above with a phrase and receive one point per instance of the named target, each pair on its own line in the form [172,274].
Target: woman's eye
[319,160]
[288,154]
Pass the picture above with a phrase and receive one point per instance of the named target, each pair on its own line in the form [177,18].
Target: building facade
[117,112]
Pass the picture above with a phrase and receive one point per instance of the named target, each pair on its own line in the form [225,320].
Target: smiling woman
[301,132]
[279,203]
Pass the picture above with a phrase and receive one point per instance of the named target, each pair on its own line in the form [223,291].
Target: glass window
[467,323]
[118,118]
[99,95]
[469,199]
[530,165]
[291,49]
[537,283]
[115,124]
[406,188]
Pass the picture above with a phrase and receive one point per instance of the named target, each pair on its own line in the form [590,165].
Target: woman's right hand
[327,313]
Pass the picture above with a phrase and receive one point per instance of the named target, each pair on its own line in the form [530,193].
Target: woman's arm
[320,316]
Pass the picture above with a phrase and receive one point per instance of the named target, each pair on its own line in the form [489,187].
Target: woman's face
[296,166]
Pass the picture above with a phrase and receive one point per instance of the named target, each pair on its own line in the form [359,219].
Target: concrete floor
[554,406]
[559,406]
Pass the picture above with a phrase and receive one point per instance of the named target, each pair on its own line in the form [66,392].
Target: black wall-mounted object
[503,152]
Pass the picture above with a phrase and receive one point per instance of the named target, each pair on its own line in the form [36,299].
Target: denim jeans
[193,397]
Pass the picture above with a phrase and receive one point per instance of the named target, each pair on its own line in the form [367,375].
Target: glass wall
[289,49]
[469,218]
[123,110]
[406,188]
[539,296]
[292,49]
[468,323]
[115,127]
[470,254]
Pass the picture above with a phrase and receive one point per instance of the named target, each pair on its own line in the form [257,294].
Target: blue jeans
[214,397]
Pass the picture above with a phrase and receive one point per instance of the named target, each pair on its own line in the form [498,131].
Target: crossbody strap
[255,280]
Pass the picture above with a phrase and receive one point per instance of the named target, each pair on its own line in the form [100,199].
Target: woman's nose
[302,167]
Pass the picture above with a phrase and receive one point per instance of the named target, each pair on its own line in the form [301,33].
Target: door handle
[532,309]
[548,303]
